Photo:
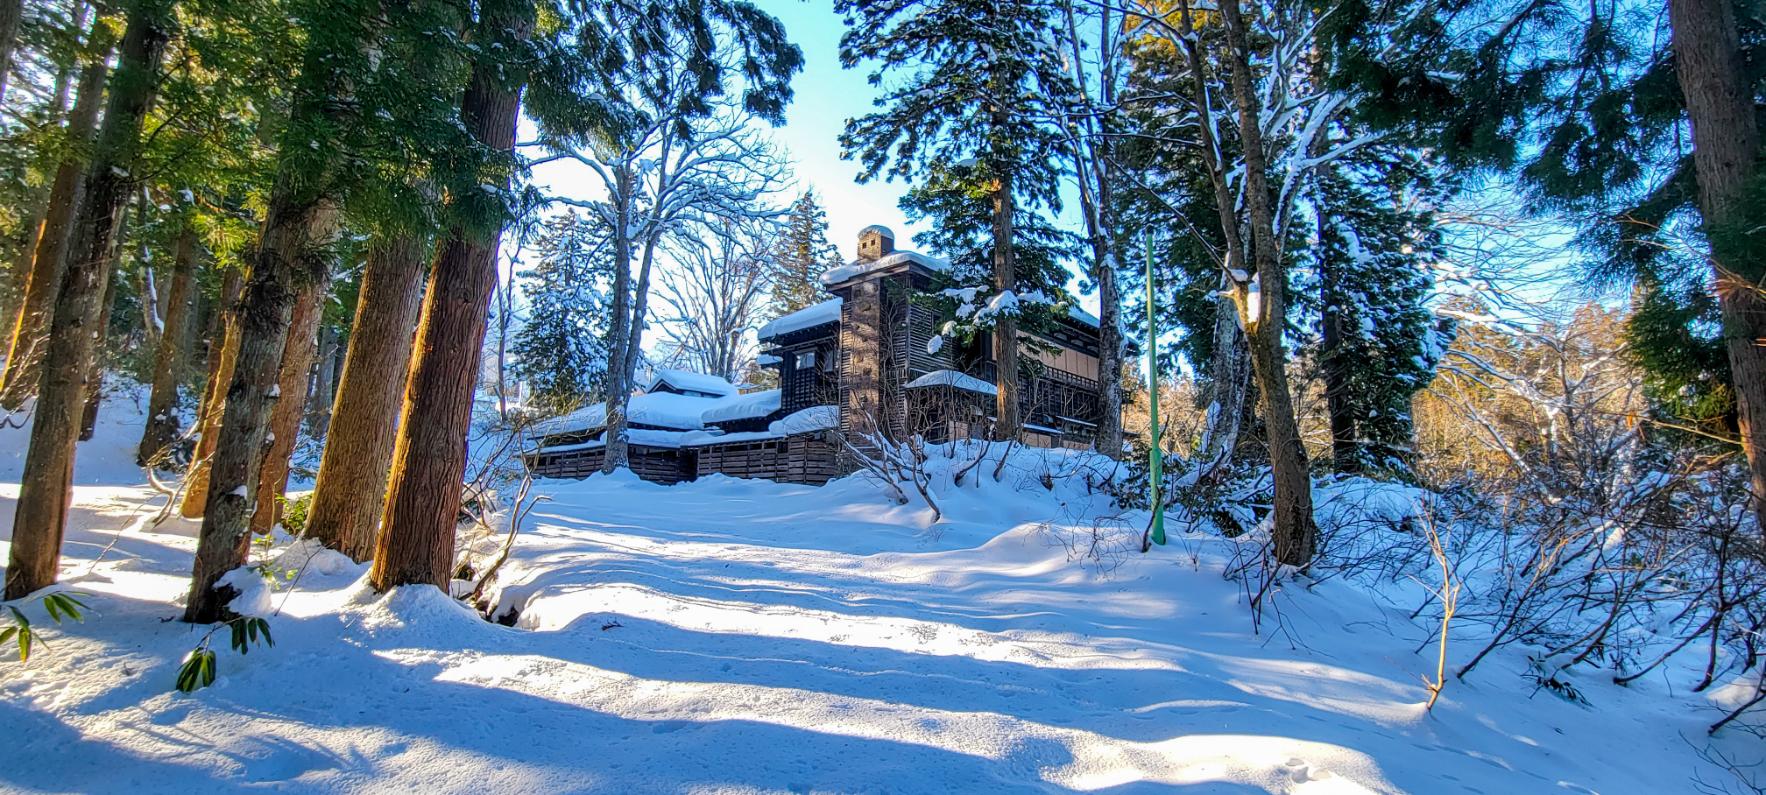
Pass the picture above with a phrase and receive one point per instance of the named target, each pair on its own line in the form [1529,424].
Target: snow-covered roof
[952,378]
[691,382]
[814,418]
[1073,311]
[668,410]
[810,420]
[861,267]
[742,407]
[662,409]
[767,359]
[808,317]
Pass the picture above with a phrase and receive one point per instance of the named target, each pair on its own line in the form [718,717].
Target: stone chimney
[875,241]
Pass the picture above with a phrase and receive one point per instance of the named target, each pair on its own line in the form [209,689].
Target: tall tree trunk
[1229,372]
[168,360]
[290,404]
[101,334]
[46,485]
[416,543]
[616,444]
[1109,439]
[1094,161]
[147,287]
[1005,329]
[1295,532]
[39,196]
[1725,151]
[20,277]
[351,489]
[223,347]
[289,257]
[324,387]
[214,399]
[49,255]
[1229,368]
[12,13]
[1345,446]
[214,331]
[505,309]
[619,386]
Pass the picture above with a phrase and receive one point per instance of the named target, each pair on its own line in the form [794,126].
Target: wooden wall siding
[655,464]
[808,458]
[941,413]
[923,323]
[801,389]
[1074,335]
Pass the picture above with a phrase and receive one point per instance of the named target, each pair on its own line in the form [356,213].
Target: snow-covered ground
[747,636]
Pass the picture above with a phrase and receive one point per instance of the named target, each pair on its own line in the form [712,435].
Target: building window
[806,360]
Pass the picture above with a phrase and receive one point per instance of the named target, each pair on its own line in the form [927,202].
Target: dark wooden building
[869,360]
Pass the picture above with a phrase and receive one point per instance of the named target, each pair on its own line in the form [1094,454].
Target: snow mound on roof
[691,382]
[1083,316]
[810,420]
[808,317]
[952,378]
[662,409]
[742,407]
[862,267]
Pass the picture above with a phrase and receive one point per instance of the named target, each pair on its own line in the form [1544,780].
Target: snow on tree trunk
[168,360]
[1295,531]
[1229,372]
[296,226]
[291,402]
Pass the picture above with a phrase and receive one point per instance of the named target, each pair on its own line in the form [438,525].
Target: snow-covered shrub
[294,512]
[1579,535]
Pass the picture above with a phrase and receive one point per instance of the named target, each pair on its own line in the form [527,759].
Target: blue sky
[826,96]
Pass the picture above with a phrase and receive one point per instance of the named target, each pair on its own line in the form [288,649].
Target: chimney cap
[879,229]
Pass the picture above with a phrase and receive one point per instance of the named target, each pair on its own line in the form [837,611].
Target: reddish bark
[45,489]
[48,258]
[416,543]
[291,403]
[351,489]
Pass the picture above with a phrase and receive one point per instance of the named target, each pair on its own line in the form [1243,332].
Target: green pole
[1155,459]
